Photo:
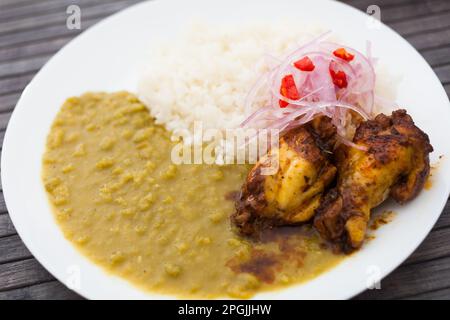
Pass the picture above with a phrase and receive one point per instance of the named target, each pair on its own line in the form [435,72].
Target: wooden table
[32,31]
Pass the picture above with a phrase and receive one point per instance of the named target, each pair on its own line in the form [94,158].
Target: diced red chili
[288,89]
[339,78]
[304,64]
[282,103]
[344,54]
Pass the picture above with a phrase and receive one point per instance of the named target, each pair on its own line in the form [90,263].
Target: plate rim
[92,28]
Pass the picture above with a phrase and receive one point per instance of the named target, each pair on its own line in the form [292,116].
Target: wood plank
[4,4]
[408,11]
[413,279]
[44,7]
[362,4]
[2,136]
[49,32]
[6,227]
[46,31]
[13,249]
[4,119]
[15,84]
[443,294]
[89,10]
[47,47]
[12,12]
[430,40]
[397,11]
[43,291]
[422,24]
[444,219]
[2,202]
[437,56]
[22,273]
[447,89]
[443,73]
[436,245]
[22,66]
[8,101]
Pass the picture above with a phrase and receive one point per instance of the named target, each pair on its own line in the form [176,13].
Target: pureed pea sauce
[122,202]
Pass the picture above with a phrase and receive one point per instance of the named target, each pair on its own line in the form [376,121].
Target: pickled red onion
[318,94]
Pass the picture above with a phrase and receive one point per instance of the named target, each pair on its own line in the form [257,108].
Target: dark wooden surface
[31,31]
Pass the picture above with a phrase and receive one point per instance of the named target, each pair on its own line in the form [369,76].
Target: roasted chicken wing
[394,163]
[291,194]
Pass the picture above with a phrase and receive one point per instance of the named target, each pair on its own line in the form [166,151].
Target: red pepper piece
[343,54]
[288,89]
[282,103]
[304,64]
[339,78]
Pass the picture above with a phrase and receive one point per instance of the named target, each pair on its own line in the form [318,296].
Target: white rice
[206,73]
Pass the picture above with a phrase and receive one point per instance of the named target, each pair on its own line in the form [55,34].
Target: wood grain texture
[444,219]
[13,249]
[2,202]
[43,291]
[32,31]
[8,101]
[6,227]
[47,47]
[22,273]
[412,10]
[422,24]
[438,56]
[427,276]
[53,13]
[436,295]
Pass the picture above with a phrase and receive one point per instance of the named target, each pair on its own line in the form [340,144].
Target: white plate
[107,56]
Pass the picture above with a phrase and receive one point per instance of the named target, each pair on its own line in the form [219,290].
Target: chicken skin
[396,164]
[292,192]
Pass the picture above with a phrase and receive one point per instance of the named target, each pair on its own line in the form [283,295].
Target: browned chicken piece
[324,133]
[290,194]
[395,164]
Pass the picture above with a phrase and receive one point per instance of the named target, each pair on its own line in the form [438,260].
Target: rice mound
[205,74]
